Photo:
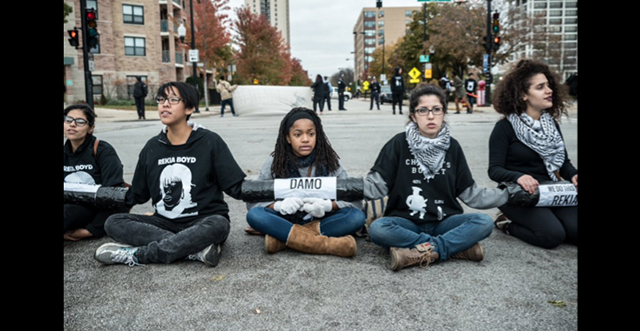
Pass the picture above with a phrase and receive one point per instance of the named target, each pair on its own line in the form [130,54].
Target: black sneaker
[502,222]
[209,256]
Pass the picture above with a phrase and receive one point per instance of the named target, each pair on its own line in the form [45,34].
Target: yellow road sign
[365,85]
[427,73]
[414,73]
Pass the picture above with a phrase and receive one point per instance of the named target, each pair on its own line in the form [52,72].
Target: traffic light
[486,44]
[496,23]
[379,4]
[496,42]
[93,37]
[74,40]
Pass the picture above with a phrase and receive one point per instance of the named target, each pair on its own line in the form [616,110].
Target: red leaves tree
[263,55]
[210,33]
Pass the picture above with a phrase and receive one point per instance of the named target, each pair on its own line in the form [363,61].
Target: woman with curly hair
[527,147]
[309,225]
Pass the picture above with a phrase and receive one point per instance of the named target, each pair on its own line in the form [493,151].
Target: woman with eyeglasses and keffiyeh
[423,172]
[527,147]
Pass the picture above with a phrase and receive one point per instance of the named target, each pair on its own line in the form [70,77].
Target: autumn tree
[263,53]
[299,76]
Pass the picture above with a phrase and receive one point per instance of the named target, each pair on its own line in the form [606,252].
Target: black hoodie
[397,82]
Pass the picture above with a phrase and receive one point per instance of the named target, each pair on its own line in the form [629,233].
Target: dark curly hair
[507,98]
[283,152]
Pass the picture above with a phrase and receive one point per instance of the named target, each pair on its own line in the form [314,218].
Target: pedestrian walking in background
[328,92]
[397,90]
[526,147]
[375,93]
[445,85]
[139,93]
[423,172]
[89,161]
[471,87]
[226,95]
[318,88]
[460,94]
[185,170]
[341,88]
[309,225]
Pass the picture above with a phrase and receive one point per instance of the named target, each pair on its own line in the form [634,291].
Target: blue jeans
[337,223]
[450,236]
[224,103]
[163,241]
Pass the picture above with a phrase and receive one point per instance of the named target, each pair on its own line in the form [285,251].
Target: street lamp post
[193,46]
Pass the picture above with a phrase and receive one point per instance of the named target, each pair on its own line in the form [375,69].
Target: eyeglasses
[425,111]
[79,121]
[173,101]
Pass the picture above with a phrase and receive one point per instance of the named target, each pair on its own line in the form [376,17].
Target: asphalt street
[516,287]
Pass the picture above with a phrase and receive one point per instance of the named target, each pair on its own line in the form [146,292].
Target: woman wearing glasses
[185,171]
[90,161]
[423,171]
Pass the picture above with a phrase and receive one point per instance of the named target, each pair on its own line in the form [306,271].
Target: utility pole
[88,83]
[489,48]
[424,39]
[193,46]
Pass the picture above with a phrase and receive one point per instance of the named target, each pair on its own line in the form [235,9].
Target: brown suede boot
[422,255]
[272,245]
[473,253]
[305,240]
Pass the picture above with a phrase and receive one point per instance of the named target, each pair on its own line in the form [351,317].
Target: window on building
[555,4]
[96,81]
[381,24]
[571,4]
[134,46]
[554,21]
[369,50]
[571,36]
[369,41]
[380,13]
[369,24]
[408,13]
[572,20]
[571,12]
[370,33]
[369,14]
[133,14]
[539,5]
[555,13]
[380,32]
[381,41]
[570,29]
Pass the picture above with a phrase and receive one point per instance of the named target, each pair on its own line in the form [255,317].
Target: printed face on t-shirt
[302,137]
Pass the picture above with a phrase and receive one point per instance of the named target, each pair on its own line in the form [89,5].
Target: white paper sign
[305,187]
[557,195]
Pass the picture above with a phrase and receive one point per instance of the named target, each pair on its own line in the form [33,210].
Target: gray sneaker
[112,253]
[209,256]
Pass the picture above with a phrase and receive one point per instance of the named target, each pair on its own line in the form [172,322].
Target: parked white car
[347,95]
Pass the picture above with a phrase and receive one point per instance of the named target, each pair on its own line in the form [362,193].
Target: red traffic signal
[496,42]
[74,40]
[91,18]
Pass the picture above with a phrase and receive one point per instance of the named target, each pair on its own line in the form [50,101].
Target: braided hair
[283,157]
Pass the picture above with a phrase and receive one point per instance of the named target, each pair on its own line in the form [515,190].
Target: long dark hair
[283,155]
[507,98]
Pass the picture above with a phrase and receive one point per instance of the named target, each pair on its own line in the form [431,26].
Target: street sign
[424,58]
[485,63]
[414,74]
[193,55]
[427,74]
[365,85]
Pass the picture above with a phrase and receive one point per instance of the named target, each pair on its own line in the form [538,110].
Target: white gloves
[288,206]
[317,207]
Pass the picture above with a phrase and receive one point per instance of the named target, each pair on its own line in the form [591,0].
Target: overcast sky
[322,31]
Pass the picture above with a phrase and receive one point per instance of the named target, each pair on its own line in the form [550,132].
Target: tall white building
[560,17]
[277,13]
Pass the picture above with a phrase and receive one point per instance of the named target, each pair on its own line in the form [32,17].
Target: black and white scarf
[294,163]
[543,137]
[429,152]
